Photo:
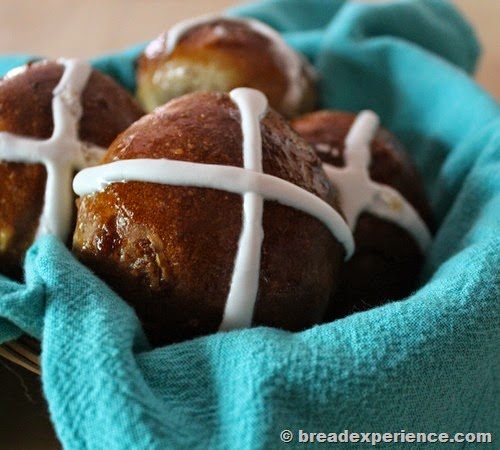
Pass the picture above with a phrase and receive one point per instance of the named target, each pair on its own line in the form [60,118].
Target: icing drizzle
[240,302]
[249,181]
[61,154]
[358,192]
[292,62]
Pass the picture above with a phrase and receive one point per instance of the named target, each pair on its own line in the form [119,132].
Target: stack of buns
[229,202]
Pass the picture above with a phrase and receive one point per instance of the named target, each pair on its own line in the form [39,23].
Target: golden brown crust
[26,110]
[387,260]
[188,236]
[219,56]
[21,201]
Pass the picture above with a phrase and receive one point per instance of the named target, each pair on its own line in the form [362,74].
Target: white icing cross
[358,192]
[249,181]
[290,60]
[61,154]
[240,302]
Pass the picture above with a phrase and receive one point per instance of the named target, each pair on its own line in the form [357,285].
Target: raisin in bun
[43,140]
[383,200]
[220,54]
[209,214]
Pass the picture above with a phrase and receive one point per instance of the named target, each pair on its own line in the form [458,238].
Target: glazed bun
[383,200]
[220,54]
[41,147]
[211,214]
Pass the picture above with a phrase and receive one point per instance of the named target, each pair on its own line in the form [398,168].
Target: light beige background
[87,28]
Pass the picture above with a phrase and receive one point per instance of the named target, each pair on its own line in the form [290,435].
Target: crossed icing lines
[61,154]
[248,181]
[358,192]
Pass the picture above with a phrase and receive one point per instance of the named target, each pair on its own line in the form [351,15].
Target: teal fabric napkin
[427,364]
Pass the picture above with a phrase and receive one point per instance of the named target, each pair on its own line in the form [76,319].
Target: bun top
[219,54]
[203,131]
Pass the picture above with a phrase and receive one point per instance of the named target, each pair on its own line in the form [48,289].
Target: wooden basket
[24,352]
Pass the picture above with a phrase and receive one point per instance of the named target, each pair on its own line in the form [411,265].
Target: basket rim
[24,351]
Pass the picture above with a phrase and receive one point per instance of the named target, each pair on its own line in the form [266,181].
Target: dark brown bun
[387,260]
[220,54]
[170,250]
[26,110]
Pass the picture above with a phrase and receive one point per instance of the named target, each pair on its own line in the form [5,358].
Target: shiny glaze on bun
[170,250]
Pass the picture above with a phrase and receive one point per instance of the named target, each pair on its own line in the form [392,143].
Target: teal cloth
[429,363]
